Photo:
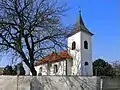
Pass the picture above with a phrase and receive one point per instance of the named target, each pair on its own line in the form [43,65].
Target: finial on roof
[80,19]
[80,12]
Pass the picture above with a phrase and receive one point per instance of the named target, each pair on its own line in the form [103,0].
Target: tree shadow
[35,84]
[80,83]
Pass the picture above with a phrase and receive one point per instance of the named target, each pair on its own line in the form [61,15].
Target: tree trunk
[33,71]
[31,67]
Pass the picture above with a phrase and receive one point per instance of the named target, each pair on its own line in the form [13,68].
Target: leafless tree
[116,66]
[30,28]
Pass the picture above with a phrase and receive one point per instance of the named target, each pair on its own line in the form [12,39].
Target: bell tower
[80,48]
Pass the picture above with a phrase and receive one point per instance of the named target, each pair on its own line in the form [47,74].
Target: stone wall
[49,83]
[11,83]
[110,83]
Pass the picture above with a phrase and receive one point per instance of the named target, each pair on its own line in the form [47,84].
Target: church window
[85,44]
[55,68]
[73,45]
[86,63]
[40,70]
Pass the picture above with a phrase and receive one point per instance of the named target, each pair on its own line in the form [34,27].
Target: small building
[77,60]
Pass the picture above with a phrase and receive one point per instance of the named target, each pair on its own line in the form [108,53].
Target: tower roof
[79,26]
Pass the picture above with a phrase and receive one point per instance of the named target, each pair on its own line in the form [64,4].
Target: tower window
[55,68]
[86,63]
[73,45]
[85,44]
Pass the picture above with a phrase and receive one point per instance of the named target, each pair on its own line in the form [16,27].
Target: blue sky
[101,17]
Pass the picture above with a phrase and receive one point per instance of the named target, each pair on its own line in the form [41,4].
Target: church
[76,60]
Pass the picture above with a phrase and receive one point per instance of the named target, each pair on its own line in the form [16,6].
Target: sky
[101,17]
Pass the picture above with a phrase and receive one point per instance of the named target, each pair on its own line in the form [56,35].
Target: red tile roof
[54,57]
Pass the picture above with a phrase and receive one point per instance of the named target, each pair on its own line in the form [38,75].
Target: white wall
[44,69]
[86,55]
[76,37]
[76,54]
[69,66]
[61,68]
[81,55]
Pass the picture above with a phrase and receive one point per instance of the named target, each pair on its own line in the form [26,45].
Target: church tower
[80,48]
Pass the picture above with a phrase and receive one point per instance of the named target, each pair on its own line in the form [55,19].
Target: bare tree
[30,28]
[116,66]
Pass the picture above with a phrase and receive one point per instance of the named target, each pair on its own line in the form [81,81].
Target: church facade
[77,60]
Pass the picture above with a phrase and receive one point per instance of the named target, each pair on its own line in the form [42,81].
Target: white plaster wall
[69,66]
[44,68]
[75,38]
[61,68]
[86,54]
[76,63]
[81,55]
[76,54]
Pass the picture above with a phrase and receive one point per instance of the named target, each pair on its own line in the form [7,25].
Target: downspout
[66,68]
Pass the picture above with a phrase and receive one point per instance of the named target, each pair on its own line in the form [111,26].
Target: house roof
[79,26]
[54,57]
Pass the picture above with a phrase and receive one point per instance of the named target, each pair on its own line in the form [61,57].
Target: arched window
[55,68]
[40,69]
[73,45]
[86,63]
[85,44]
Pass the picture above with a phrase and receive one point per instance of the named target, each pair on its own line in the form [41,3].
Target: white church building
[77,60]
